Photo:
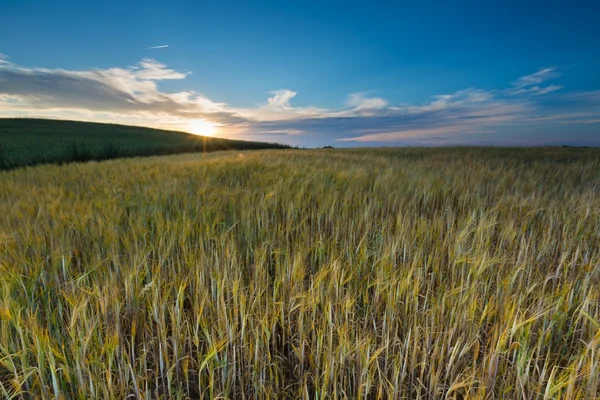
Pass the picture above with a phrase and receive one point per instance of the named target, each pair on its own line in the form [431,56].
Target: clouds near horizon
[135,95]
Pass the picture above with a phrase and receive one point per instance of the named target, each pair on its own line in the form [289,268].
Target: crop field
[385,273]
[41,141]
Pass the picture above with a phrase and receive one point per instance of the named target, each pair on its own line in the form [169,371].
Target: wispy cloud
[162,46]
[589,97]
[134,95]
[466,111]
[536,78]
[530,84]
[581,121]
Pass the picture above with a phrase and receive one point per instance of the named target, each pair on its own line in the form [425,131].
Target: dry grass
[443,273]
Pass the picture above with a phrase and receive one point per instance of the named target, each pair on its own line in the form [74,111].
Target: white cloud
[536,90]
[280,100]
[162,46]
[197,100]
[407,134]
[536,78]
[281,132]
[530,84]
[279,108]
[358,102]
[462,112]
[581,121]
[592,96]
[121,91]
[460,98]
[133,95]
[150,69]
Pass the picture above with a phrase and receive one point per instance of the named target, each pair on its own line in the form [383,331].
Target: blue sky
[312,73]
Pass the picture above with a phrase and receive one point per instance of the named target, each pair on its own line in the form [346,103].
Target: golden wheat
[401,273]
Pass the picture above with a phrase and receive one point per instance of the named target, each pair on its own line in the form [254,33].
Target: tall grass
[442,273]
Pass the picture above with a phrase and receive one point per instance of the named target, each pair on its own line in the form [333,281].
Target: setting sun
[202,127]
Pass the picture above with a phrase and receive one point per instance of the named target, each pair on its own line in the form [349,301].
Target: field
[41,141]
[391,273]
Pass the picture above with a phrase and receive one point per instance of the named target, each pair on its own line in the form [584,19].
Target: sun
[202,127]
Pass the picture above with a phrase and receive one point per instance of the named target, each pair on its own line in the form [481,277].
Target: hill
[40,141]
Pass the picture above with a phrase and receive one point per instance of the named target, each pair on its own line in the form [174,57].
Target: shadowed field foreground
[410,273]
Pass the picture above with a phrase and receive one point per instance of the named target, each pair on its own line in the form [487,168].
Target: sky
[312,73]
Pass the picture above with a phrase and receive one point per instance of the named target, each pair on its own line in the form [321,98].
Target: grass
[396,273]
[40,141]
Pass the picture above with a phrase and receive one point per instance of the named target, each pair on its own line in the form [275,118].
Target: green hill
[37,141]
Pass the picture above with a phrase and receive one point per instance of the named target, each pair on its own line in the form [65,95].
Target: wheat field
[385,274]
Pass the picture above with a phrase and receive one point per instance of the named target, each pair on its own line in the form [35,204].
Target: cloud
[281,100]
[536,78]
[530,84]
[279,108]
[162,46]
[536,90]
[581,121]
[358,102]
[3,59]
[406,134]
[465,111]
[150,69]
[282,132]
[589,97]
[134,95]
[124,91]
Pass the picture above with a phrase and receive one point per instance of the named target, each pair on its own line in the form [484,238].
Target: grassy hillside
[414,273]
[36,141]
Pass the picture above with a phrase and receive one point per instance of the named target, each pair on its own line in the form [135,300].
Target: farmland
[383,273]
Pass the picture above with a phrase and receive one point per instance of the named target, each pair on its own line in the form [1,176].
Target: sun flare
[202,127]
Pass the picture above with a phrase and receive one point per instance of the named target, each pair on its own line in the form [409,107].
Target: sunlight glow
[202,127]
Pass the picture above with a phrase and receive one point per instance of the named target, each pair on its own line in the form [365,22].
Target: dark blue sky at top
[239,51]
